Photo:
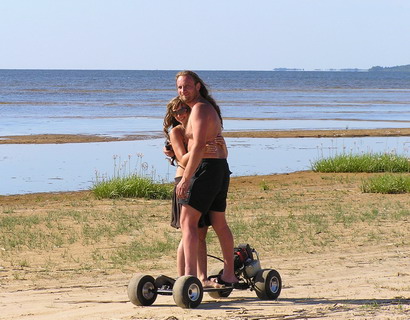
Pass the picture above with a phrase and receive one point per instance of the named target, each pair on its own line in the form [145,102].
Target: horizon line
[230,70]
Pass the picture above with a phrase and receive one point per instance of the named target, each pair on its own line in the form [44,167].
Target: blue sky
[203,35]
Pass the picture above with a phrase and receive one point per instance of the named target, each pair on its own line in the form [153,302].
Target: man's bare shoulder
[202,106]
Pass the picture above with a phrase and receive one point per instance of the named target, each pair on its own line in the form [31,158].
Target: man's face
[188,91]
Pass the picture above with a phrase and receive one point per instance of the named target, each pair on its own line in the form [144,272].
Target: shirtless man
[204,184]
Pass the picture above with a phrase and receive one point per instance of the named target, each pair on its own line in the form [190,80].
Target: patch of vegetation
[377,162]
[132,186]
[131,181]
[150,249]
[387,183]
[57,229]
[134,234]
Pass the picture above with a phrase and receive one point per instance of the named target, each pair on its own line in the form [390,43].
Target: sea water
[127,102]
[118,103]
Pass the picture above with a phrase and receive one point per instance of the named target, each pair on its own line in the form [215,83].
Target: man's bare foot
[222,282]
[211,284]
[223,278]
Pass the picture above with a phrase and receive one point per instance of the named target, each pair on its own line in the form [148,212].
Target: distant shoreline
[79,138]
[398,68]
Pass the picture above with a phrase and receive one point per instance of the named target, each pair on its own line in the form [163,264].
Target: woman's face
[181,113]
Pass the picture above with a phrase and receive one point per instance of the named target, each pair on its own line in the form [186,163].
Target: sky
[203,35]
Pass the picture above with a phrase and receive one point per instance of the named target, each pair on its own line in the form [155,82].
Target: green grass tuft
[378,162]
[387,183]
[132,186]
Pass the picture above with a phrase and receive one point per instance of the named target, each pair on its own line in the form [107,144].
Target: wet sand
[68,138]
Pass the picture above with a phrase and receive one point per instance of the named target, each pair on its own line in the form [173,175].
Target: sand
[349,284]
[67,138]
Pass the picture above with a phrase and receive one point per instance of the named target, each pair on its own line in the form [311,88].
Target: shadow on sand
[231,303]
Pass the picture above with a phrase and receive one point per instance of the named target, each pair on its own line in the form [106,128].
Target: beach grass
[131,180]
[369,162]
[387,183]
[388,163]
[132,186]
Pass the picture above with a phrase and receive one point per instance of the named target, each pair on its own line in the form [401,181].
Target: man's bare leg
[226,241]
[203,261]
[190,238]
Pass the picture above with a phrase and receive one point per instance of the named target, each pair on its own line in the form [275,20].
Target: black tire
[141,290]
[188,292]
[268,284]
[219,294]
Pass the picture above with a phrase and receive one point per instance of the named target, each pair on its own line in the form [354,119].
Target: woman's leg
[180,259]
[202,255]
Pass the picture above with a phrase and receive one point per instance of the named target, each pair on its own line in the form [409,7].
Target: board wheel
[187,292]
[141,290]
[268,284]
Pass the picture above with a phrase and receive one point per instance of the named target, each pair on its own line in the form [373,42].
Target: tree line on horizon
[403,68]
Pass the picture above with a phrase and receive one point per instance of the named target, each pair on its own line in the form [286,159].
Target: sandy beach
[342,254]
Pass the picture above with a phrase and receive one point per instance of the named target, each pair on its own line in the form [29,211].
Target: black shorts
[209,186]
[204,221]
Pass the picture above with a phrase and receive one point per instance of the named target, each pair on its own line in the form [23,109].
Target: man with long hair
[204,185]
